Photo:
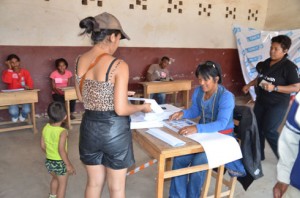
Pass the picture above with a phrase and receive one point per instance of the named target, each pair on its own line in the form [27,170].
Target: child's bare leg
[96,179]
[116,182]
[62,185]
[53,184]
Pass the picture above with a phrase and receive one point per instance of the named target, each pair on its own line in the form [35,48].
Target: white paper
[154,106]
[219,148]
[176,125]
[169,139]
[149,120]
[12,90]
[138,121]
[145,124]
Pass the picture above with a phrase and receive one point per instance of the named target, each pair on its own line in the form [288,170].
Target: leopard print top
[98,95]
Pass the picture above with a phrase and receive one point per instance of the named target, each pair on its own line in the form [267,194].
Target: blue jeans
[269,118]
[160,97]
[188,186]
[14,110]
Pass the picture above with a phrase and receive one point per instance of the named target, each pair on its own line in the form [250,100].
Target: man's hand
[7,63]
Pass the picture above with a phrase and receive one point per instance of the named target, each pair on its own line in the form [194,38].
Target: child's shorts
[57,167]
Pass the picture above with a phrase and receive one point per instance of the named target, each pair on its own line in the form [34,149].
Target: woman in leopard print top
[105,143]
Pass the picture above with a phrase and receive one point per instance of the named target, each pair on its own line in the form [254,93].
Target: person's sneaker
[14,119]
[21,118]
[72,117]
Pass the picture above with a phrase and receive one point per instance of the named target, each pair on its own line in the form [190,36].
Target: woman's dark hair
[56,112]
[209,69]
[61,60]
[89,24]
[12,56]
[283,40]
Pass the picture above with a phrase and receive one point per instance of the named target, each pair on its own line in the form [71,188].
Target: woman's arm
[63,154]
[122,106]
[246,88]
[56,90]
[78,93]
[195,110]
[284,89]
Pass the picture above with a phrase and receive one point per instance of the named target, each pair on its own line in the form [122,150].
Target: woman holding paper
[277,78]
[105,143]
[215,104]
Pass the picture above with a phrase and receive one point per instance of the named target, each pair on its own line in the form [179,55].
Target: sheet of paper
[219,148]
[146,124]
[176,125]
[154,106]
[169,139]
[149,120]
[12,90]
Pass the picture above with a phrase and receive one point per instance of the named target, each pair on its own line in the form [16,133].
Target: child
[61,78]
[54,144]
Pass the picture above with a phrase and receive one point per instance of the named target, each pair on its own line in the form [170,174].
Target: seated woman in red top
[60,78]
[16,77]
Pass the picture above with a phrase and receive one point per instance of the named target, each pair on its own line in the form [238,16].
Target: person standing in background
[159,72]
[105,142]
[277,78]
[61,78]
[288,167]
[17,78]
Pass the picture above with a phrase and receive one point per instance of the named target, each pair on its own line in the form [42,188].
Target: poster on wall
[254,45]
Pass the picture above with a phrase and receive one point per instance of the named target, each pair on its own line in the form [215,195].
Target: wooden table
[168,86]
[163,152]
[70,94]
[17,98]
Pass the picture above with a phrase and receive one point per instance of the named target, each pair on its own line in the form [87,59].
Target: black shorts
[105,138]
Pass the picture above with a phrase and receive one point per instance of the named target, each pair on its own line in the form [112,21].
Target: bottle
[22,81]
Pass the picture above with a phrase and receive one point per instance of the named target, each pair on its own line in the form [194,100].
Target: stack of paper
[170,139]
[153,119]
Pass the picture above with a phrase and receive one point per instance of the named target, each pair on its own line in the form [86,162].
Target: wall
[40,31]
[283,15]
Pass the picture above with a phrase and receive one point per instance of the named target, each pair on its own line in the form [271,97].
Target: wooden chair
[228,183]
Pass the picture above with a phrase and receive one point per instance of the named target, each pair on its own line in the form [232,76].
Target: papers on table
[219,148]
[170,139]
[176,125]
[141,120]
[138,121]
[154,106]
[12,90]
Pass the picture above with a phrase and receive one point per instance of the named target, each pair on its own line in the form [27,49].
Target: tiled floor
[22,171]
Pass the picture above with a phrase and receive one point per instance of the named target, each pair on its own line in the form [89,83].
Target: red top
[13,79]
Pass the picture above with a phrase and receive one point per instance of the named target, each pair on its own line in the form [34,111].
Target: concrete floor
[22,171]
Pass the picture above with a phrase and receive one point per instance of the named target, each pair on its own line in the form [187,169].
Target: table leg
[146,94]
[219,181]
[67,104]
[33,118]
[160,177]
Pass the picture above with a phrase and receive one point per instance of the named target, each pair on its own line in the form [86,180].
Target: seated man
[159,72]
[16,77]
[288,167]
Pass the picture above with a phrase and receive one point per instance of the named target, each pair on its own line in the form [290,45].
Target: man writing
[159,72]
